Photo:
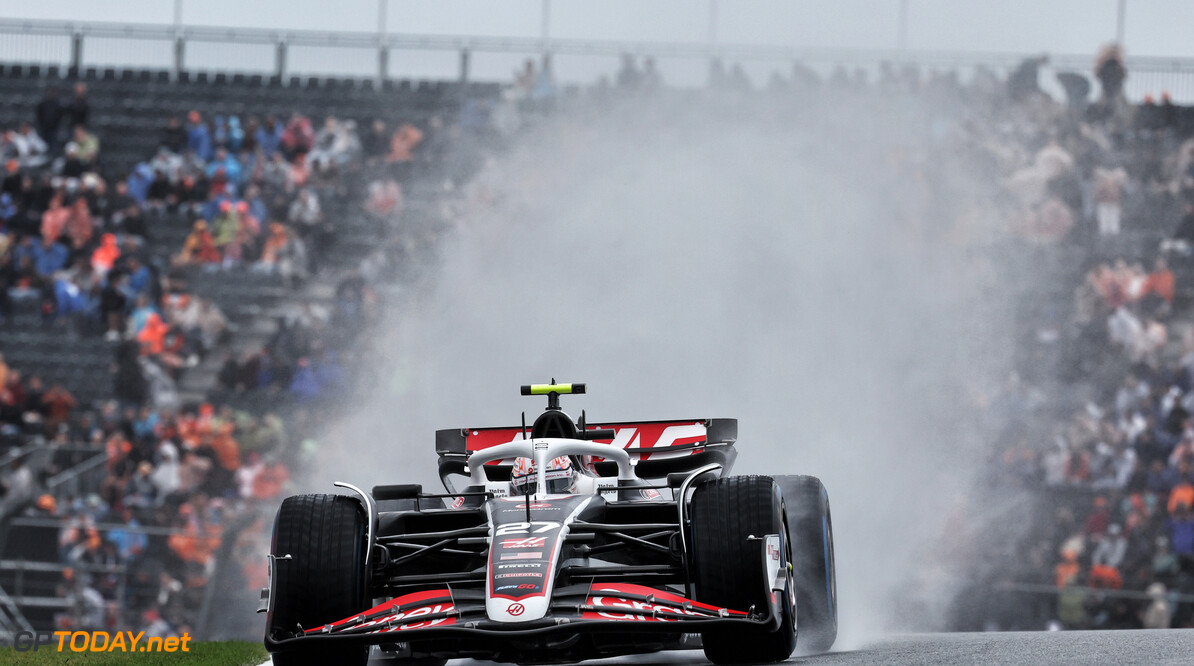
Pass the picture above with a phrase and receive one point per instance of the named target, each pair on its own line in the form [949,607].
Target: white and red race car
[559,542]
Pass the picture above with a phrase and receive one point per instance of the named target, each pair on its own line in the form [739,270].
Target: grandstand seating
[129,109]
[129,106]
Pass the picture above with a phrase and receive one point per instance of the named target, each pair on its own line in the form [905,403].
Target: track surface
[1159,648]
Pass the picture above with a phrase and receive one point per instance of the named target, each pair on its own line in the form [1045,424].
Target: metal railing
[12,620]
[85,477]
[78,45]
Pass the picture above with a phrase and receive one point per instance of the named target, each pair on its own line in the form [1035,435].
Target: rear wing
[661,447]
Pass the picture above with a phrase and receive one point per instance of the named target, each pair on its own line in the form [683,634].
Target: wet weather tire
[728,567]
[324,579]
[811,525]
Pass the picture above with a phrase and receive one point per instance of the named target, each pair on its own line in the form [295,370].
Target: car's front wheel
[319,574]
[730,517]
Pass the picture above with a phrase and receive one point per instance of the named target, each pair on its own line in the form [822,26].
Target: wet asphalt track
[1148,648]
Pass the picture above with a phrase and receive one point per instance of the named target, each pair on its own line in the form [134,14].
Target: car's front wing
[445,613]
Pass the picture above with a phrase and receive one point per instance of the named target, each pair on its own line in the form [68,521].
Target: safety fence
[72,47]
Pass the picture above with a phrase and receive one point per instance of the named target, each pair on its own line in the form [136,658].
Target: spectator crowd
[184,486]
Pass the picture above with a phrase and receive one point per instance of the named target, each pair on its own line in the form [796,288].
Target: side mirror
[399,491]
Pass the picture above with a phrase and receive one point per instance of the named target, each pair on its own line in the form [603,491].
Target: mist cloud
[696,261]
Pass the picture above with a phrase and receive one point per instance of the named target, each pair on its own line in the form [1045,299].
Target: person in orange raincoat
[194,544]
[226,447]
[153,335]
[199,247]
[104,257]
[1161,281]
[275,244]
[1105,576]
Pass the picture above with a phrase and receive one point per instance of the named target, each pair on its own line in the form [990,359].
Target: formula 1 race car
[566,541]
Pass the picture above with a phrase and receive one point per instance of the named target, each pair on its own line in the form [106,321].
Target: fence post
[280,61]
[464,62]
[383,64]
[180,47]
[76,54]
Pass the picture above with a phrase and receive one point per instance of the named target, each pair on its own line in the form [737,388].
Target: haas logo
[515,609]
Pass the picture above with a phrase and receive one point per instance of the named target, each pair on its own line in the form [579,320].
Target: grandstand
[90,464]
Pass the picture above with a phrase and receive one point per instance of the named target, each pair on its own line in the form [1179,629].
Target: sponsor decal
[627,435]
[409,619]
[667,607]
[521,565]
[458,502]
[534,527]
[515,609]
[523,574]
[773,551]
[651,494]
[522,556]
[528,542]
[418,603]
[505,587]
[538,505]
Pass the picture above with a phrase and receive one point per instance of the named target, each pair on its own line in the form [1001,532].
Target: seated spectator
[140,278]
[54,219]
[112,306]
[299,136]
[1161,281]
[88,143]
[236,134]
[155,342]
[118,208]
[199,247]
[79,225]
[376,142]
[385,198]
[224,229]
[71,165]
[138,183]
[104,257]
[1180,528]
[142,309]
[198,138]
[403,143]
[30,149]
[269,136]
[74,289]
[228,163]
[49,257]
[305,212]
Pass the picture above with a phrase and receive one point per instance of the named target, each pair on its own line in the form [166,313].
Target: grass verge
[216,653]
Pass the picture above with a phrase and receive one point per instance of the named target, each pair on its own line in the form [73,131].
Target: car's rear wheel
[729,519]
[323,579]
[807,505]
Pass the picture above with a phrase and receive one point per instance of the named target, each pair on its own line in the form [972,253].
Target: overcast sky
[1153,27]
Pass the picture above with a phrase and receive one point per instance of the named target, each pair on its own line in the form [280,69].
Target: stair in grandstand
[57,352]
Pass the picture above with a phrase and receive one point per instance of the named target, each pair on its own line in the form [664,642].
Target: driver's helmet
[560,476]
